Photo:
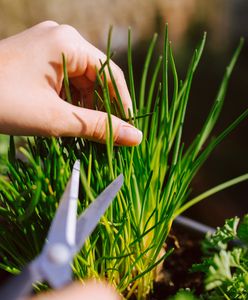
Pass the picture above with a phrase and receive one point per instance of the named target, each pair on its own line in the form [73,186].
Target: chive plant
[128,243]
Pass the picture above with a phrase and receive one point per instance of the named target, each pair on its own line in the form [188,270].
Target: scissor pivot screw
[59,254]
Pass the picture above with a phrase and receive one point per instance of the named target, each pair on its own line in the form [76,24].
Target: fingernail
[129,136]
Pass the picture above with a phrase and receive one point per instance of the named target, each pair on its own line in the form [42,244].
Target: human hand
[76,291]
[31,77]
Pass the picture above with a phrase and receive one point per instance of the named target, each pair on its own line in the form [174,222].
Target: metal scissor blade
[20,286]
[89,219]
[63,227]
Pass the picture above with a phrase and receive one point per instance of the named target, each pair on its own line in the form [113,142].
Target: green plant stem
[211,192]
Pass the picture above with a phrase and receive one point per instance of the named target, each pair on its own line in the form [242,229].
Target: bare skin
[77,291]
[31,78]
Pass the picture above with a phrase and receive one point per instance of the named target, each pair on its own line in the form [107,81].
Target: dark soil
[4,276]
[175,273]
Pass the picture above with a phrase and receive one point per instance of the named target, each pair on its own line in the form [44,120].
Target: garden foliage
[225,266]
[127,245]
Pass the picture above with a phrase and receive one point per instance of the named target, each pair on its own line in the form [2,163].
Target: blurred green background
[3,144]
[225,22]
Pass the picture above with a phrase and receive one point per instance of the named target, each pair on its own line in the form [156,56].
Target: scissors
[65,238]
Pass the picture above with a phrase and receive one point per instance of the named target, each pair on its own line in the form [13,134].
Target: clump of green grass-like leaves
[127,245]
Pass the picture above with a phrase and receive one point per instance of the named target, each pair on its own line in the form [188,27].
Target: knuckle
[48,23]
[65,36]
[116,129]
[54,132]
[99,130]
[67,31]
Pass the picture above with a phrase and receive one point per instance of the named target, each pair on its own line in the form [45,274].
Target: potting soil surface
[175,274]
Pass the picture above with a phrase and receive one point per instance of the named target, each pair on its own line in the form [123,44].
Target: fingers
[93,125]
[77,291]
[83,59]
[95,58]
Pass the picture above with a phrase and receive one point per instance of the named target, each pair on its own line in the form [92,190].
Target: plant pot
[193,227]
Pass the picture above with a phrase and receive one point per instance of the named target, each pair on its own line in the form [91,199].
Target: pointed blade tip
[121,178]
[76,165]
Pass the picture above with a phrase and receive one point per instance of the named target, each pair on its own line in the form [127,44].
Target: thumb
[92,125]
[92,290]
